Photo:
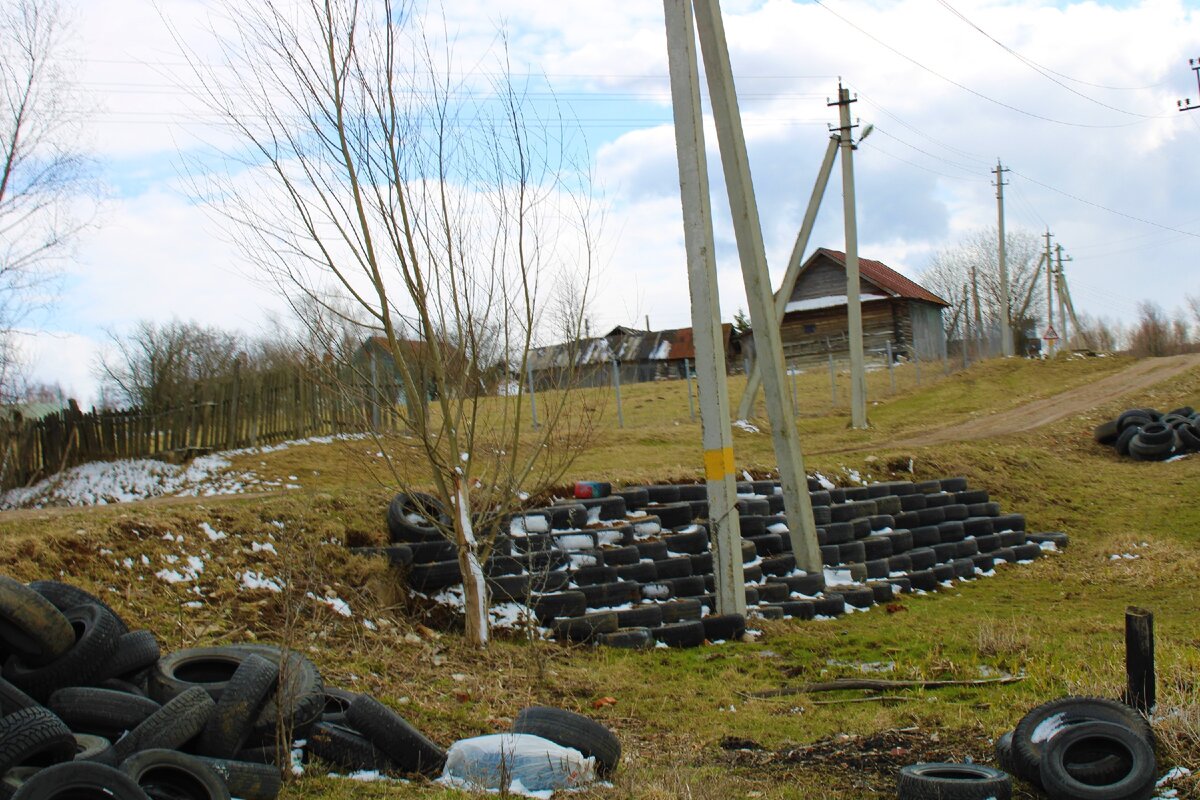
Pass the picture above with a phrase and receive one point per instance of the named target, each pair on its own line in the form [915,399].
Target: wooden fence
[237,412]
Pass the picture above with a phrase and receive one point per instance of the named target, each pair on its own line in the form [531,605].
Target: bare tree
[951,269]
[1152,335]
[440,203]
[1099,333]
[42,173]
[155,366]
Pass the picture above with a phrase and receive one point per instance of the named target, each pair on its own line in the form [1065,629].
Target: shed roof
[881,275]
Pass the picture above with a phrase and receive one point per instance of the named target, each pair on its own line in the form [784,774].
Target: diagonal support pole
[706,312]
[748,232]
[754,381]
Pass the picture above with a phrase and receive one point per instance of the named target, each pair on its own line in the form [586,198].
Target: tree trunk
[475,595]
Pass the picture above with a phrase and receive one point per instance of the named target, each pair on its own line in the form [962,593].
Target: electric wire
[968,89]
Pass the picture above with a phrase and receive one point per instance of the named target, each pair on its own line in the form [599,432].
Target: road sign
[1050,334]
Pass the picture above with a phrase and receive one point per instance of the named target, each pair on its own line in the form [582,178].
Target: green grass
[1058,622]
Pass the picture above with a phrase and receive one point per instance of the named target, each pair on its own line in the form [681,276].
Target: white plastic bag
[519,762]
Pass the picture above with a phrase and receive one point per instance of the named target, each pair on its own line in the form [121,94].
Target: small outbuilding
[894,309]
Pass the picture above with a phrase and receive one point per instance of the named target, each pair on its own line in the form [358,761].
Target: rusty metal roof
[882,276]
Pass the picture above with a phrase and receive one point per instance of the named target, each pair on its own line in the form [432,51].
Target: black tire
[799,609]
[572,730]
[724,627]
[397,555]
[585,627]
[1004,755]
[1062,782]
[778,566]
[135,651]
[434,576]
[1156,433]
[248,780]
[103,712]
[1029,735]
[89,747]
[403,513]
[680,634]
[1141,450]
[683,610]
[174,775]
[96,635]
[1127,435]
[808,585]
[34,735]
[629,639]
[642,616]
[1189,437]
[80,780]
[953,782]
[1106,432]
[560,604]
[346,748]
[688,542]
[337,703]
[302,693]
[673,515]
[64,596]
[831,605]
[391,733]
[178,720]
[30,625]
[13,699]
[232,720]
[432,552]
[923,580]
[642,572]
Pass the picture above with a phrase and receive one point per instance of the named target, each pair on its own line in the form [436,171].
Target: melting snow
[746,425]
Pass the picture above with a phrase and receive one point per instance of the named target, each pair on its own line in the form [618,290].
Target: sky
[1078,99]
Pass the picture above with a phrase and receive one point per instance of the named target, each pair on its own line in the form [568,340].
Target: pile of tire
[634,569]
[86,704]
[1082,748]
[1145,434]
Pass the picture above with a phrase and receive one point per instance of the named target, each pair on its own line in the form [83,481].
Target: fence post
[374,393]
[532,395]
[616,372]
[795,394]
[687,374]
[832,382]
[917,363]
[891,370]
[1139,659]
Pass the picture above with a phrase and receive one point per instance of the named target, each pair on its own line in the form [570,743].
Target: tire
[724,627]
[135,651]
[629,639]
[232,720]
[337,702]
[643,616]
[799,609]
[80,780]
[1141,450]
[923,580]
[1156,433]
[683,610]
[392,734]
[64,596]
[103,712]
[30,625]
[247,780]
[778,566]
[89,747]
[1004,754]
[344,747]
[673,515]
[179,776]
[678,567]
[572,730]
[687,542]
[807,585]
[178,720]
[95,631]
[403,529]
[1031,732]
[1189,437]
[560,604]
[1121,445]
[953,782]
[623,556]
[1134,417]
[585,627]
[34,734]
[434,576]
[397,555]
[640,572]
[432,552]
[13,699]
[680,634]
[1136,777]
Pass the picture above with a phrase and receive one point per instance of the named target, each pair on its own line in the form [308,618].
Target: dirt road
[1139,376]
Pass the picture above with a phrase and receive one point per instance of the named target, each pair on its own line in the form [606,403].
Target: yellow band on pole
[718,463]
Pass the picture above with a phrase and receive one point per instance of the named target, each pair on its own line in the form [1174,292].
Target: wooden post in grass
[832,382]
[891,367]
[687,374]
[532,397]
[616,373]
[1139,659]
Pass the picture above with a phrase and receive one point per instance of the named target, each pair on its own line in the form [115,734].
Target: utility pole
[978,314]
[747,229]
[716,430]
[1186,104]
[1006,338]
[1050,336]
[858,371]
[1058,286]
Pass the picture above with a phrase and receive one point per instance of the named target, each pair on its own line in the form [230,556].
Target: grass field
[1058,622]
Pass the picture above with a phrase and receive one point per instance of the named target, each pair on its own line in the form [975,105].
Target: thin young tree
[44,177]
[441,202]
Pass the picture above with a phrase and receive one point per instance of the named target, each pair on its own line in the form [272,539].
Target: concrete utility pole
[748,233]
[1049,333]
[716,431]
[1006,337]
[978,314]
[1058,288]
[754,381]
[858,368]
[1187,104]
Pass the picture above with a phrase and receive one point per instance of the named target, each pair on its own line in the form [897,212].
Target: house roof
[880,274]
[624,344]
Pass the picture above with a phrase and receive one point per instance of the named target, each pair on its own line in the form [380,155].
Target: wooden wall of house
[928,336]
[826,278]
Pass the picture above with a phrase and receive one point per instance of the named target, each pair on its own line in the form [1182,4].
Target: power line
[966,88]
[941,160]
[967,154]
[1106,208]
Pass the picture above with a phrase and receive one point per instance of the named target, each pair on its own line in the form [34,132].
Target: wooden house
[894,309]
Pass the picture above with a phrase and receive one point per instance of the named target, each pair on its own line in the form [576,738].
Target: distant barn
[894,309]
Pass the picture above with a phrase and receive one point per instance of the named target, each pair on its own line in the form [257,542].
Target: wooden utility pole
[748,233]
[754,380]
[1058,288]
[1006,337]
[858,370]
[978,314]
[716,431]
[1049,335]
